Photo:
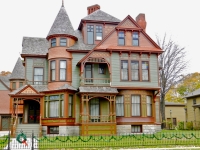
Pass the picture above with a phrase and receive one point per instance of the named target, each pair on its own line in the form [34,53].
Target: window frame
[89,30]
[122,115]
[14,85]
[52,69]
[140,108]
[102,68]
[135,38]
[36,82]
[21,84]
[138,75]
[98,28]
[49,129]
[70,106]
[144,70]
[140,130]
[61,42]
[53,42]
[121,65]
[150,106]
[120,38]
[62,69]
[47,102]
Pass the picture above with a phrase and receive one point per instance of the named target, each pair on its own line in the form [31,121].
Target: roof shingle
[18,71]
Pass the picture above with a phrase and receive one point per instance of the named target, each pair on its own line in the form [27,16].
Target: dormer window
[53,42]
[121,38]
[90,34]
[63,42]
[99,33]
[135,38]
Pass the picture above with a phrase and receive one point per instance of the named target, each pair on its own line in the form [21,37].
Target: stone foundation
[151,128]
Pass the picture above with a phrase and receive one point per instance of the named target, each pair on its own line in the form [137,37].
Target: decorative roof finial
[62,3]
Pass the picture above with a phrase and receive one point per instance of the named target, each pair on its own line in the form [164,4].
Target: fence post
[9,140]
[32,147]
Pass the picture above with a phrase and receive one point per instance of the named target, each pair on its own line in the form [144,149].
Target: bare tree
[173,63]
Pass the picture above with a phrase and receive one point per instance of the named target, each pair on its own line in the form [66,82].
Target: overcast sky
[179,19]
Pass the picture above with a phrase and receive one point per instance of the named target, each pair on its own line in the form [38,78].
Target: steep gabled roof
[100,15]
[62,24]
[18,71]
[34,46]
[80,45]
[5,80]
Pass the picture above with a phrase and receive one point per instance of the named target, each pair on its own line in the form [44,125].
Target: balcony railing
[95,81]
[98,119]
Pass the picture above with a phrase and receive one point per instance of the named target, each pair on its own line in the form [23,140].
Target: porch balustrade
[98,119]
[95,81]
[37,82]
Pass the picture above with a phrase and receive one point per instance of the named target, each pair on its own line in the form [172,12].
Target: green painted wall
[33,62]
[96,72]
[76,69]
[115,65]
[2,87]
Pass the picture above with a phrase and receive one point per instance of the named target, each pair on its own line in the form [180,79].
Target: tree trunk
[162,110]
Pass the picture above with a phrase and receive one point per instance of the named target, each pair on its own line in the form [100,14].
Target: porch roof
[97,90]
[196,105]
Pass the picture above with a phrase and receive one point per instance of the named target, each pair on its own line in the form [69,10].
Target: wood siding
[115,65]
[191,114]
[76,69]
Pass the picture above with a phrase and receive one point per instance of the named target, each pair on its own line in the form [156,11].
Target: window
[136,128]
[14,85]
[124,70]
[53,70]
[38,75]
[194,101]
[63,42]
[94,110]
[149,106]
[99,33]
[63,70]
[20,84]
[102,68]
[70,103]
[134,70]
[53,42]
[145,71]
[54,130]
[90,34]
[119,106]
[121,39]
[135,39]
[135,105]
[54,106]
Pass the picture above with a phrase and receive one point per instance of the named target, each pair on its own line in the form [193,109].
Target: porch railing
[37,82]
[95,81]
[98,119]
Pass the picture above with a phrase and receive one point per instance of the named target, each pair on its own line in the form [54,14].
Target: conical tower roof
[62,24]
[18,71]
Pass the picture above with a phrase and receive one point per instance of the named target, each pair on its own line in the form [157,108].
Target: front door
[33,112]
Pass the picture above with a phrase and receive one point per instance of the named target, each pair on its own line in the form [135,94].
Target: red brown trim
[61,35]
[135,120]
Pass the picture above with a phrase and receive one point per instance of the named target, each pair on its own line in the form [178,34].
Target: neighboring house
[193,108]
[99,79]
[175,112]
[5,112]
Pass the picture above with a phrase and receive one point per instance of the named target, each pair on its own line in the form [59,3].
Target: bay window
[135,99]
[62,69]
[119,106]
[54,106]
[70,105]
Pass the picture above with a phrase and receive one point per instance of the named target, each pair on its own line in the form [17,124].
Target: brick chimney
[140,19]
[93,8]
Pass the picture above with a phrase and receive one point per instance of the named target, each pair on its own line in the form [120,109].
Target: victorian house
[99,79]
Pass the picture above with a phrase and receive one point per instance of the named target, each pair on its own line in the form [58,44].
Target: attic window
[90,34]
[135,39]
[98,32]
[121,38]
[53,42]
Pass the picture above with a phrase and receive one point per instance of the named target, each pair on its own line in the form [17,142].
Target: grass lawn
[164,138]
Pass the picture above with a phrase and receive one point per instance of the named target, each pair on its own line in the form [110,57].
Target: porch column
[87,110]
